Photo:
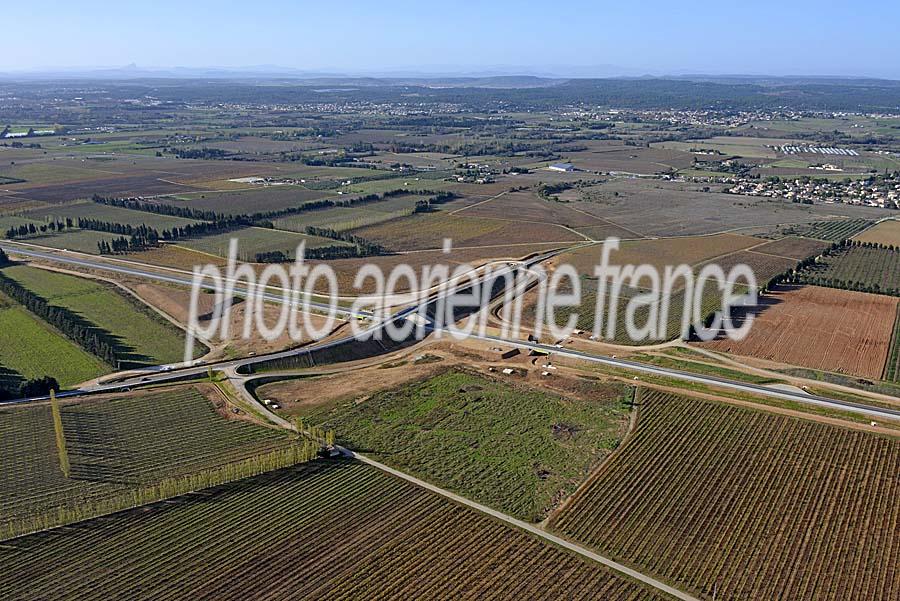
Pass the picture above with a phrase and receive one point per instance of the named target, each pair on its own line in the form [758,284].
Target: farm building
[562,167]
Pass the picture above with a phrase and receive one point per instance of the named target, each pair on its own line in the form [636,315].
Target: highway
[634,366]
[159,277]
[163,374]
[157,375]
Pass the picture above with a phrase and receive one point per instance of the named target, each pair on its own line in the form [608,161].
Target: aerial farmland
[498,336]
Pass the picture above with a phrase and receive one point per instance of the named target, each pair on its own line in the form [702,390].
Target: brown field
[427,231]
[191,172]
[175,302]
[346,269]
[793,248]
[657,208]
[63,180]
[661,252]
[254,145]
[336,530]
[12,203]
[177,257]
[607,230]
[437,160]
[185,259]
[820,328]
[630,159]
[141,185]
[527,206]
[252,200]
[746,504]
[764,266]
[886,232]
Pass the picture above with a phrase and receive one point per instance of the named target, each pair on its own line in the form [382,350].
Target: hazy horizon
[411,72]
[580,39]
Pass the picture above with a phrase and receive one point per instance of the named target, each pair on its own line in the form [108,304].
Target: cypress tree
[60,435]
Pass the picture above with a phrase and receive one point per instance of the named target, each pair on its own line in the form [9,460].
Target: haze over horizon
[580,39]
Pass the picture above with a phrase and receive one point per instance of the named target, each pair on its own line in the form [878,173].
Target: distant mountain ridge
[499,77]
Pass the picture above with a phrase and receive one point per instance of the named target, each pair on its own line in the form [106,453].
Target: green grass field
[32,349]
[144,336]
[345,218]
[101,212]
[115,446]
[517,449]
[252,240]
[8,221]
[78,240]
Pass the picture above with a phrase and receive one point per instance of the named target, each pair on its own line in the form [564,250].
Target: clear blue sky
[765,37]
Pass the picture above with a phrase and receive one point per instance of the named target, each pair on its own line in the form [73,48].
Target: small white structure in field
[507,372]
[567,167]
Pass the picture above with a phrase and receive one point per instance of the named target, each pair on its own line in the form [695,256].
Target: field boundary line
[633,418]
[872,226]
[607,222]
[530,528]
[893,360]
[459,210]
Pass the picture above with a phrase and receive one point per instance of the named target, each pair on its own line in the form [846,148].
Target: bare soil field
[141,185]
[196,172]
[428,230]
[62,180]
[656,208]
[820,328]
[175,302]
[527,206]
[793,248]
[745,147]
[437,160]
[346,269]
[764,266]
[255,145]
[661,252]
[631,159]
[606,230]
[177,257]
[886,233]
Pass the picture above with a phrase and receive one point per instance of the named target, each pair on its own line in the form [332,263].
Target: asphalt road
[157,375]
[163,374]
[159,277]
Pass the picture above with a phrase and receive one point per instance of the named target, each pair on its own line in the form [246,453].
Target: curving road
[162,374]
